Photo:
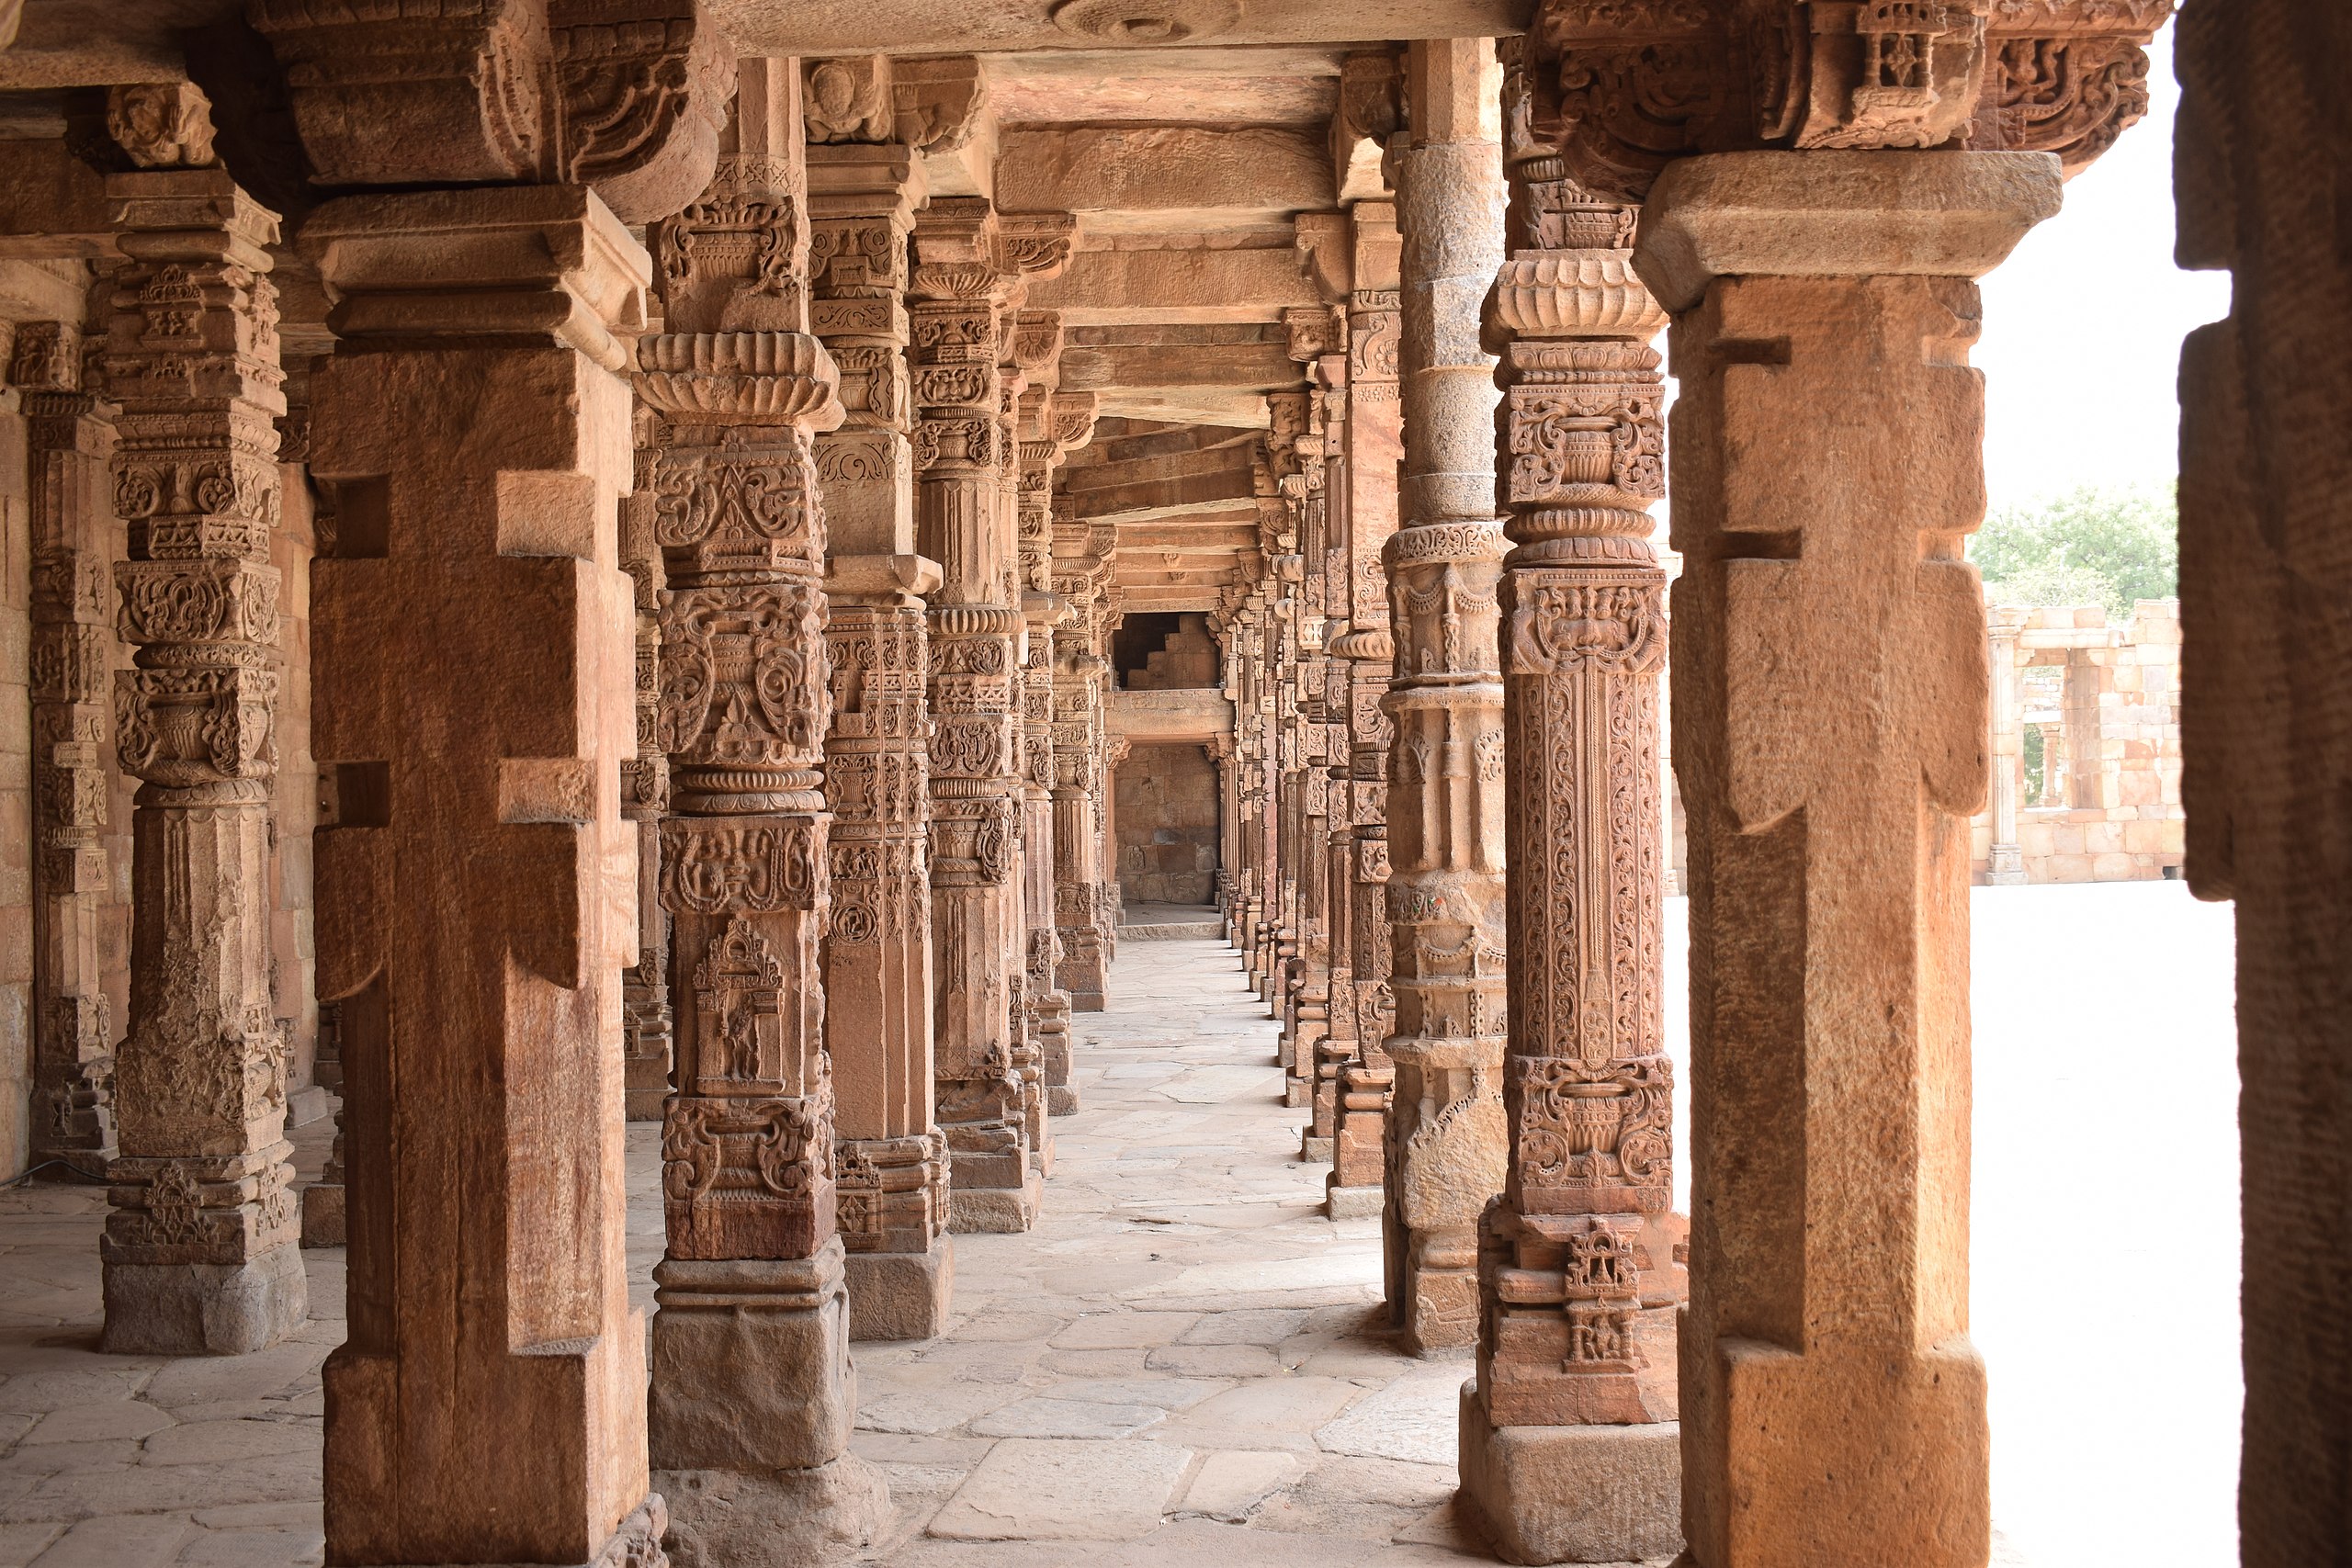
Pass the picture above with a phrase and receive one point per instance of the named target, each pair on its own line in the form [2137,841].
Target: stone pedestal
[202,1251]
[1830,712]
[752,1403]
[1574,1494]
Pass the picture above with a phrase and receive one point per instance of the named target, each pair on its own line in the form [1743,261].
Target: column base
[995,1211]
[1087,1001]
[1441,1309]
[643,1105]
[1297,1093]
[205,1309]
[1315,1150]
[1352,1202]
[1061,1100]
[900,1295]
[637,1544]
[2005,879]
[752,1372]
[322,1215]
[787,1519]
[1546,1495]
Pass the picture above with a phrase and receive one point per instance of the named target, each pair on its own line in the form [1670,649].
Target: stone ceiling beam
[1186,283]
[1143,178]
[934,26]
[1113,368]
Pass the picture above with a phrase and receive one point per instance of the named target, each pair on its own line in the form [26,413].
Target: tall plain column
[202,1250]
[1830,712]
[1446,1131]
[2004,859]
[475,894]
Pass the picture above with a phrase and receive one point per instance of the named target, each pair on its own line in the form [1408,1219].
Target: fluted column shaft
[1446,1132]
[201,1249]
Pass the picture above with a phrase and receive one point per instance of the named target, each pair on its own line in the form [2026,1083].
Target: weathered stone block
[1571,1494]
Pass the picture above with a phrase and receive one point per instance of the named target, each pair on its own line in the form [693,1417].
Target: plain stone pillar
[1446,1131]
[1569,1443]
[891,1176]
[202,1251]
[753,1389]
[2005,860]
[473,647]
[1831,719]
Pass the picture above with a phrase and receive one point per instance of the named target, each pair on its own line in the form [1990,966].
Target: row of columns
[474,635]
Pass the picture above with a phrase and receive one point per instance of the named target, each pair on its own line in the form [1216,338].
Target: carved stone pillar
[2006,858]
[1363,1080]
[202,1251]
[67,438]
[644,795]
[892,1175]
[1447,1136]
[1084,968]
[1569,1446]
[752,1387]
[474,700]
[956,301]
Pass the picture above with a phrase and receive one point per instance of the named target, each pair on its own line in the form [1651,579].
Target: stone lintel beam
[1183,282]
[1161,485]
[1144,177]
[1123,369]
[51,204]
[929,27]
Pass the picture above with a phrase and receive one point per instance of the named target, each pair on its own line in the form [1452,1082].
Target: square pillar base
[205,1309]
[1313,1150]
[785,1518]
[322,1213]
[1352,1202]
[1061,1100]
[900,1295]
[1548,1495]
[995,1211]
[752,1372]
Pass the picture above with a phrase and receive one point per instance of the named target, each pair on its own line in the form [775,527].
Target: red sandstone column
[752,1387]
[474,904]
[1373,446]
[202,1250]
[956,302]
[74,546]
[1078,745]
[892,1164]
[646,1022]
[1570,1449]
[1831,720]
[1446,1131]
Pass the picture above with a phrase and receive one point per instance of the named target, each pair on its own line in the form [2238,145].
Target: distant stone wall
[1167,820]
[2104,702]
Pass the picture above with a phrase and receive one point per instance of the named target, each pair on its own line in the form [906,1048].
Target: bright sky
[2081,351]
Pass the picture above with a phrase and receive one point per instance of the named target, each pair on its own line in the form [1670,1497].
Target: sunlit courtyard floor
[1184,1364]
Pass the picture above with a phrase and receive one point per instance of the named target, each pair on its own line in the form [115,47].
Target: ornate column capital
[1625,89]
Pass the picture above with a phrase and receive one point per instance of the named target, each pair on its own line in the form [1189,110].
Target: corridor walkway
[1179,1366]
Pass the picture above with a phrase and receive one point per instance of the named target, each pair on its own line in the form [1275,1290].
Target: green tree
[2094,545]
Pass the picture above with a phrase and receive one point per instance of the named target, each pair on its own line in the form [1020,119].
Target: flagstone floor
[1183,1363]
